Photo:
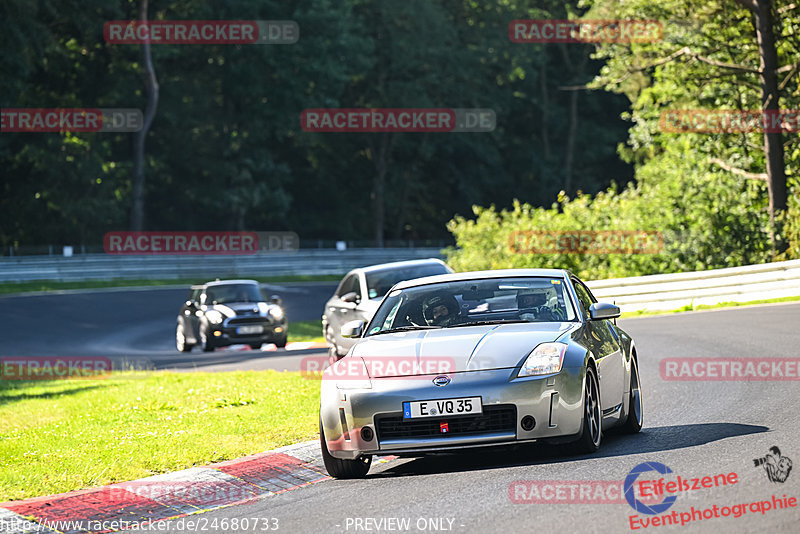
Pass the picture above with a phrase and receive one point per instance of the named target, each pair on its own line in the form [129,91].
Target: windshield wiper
[494,321]
[405,329]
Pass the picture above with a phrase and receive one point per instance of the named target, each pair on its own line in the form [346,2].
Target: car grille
[499,418]
[248,320]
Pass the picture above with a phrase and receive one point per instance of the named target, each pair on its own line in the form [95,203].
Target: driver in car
[440,310]
[531,306]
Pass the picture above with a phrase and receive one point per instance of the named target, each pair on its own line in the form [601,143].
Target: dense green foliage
[226,150]
[710,216]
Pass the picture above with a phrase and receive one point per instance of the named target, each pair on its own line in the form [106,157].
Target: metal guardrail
[663,292]
[655,292]
[107,267]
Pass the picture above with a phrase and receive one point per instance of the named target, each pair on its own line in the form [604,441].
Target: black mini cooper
[230,312]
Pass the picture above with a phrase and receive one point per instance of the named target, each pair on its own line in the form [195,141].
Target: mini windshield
[474,302]
[223,294]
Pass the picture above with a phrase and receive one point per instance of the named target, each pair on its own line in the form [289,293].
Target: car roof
[226,282]
[480,275]
[399,265]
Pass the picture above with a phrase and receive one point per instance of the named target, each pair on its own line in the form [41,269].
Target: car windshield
[471,302]
[381,281]
[223,294]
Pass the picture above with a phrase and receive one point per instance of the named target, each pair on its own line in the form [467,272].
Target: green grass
[47,285]
[57,436]
[692,307]
[305,331]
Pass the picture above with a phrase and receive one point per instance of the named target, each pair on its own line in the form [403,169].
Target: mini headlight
[276,313]
[545,359]
[214,317]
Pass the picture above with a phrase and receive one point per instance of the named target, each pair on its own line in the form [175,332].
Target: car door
[607,351]
[189,312]
[340,311]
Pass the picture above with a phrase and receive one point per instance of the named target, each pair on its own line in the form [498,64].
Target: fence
[673,291]
[107,267]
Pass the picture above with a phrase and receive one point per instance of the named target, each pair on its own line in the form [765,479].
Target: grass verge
[691,307]
[58,436]
[306,331]
[47,285]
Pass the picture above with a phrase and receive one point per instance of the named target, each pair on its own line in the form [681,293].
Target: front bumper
[554,401]
[228,332]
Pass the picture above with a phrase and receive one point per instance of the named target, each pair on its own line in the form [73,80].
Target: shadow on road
[649,440]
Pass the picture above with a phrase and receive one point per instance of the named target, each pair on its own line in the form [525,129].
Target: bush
[708,218]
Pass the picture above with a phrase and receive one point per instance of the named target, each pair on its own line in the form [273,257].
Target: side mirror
[353,329]
[275,299]
[351,297]
[603,310]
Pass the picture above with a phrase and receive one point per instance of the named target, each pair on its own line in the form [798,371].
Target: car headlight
[349,373]
[214,317]
[545,359]
[270,311]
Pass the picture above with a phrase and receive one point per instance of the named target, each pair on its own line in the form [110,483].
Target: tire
[592,428]
[180,339]
[204,341]
[281,342]
[333,350]
[255,347]
[633,422]
[342,468]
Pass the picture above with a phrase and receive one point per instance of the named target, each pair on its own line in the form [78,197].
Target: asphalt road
[136,327]
[698,429]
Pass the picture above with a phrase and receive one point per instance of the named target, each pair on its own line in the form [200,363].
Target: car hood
[231,309]
[469,348]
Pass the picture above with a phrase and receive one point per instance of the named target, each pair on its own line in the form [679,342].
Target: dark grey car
[229,312]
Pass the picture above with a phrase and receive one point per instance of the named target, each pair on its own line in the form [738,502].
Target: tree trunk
[151,87]
[773,141]
[380,158]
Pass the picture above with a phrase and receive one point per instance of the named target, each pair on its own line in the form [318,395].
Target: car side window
[194,296]
[349,285]
[583,295]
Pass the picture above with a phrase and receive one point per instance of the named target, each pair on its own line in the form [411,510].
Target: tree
[151,87]
[724,54]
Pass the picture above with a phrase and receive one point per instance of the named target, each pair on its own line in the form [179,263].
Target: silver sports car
[479,359]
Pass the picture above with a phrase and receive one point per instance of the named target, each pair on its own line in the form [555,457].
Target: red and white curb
[169,496]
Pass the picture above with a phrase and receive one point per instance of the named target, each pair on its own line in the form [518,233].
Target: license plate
[442,407]
[255,329]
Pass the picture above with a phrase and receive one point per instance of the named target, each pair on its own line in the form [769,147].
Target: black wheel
[343,468]
[592,432]
[255,347]
[180,339]
[281,342]
[205,342]
[633,423]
